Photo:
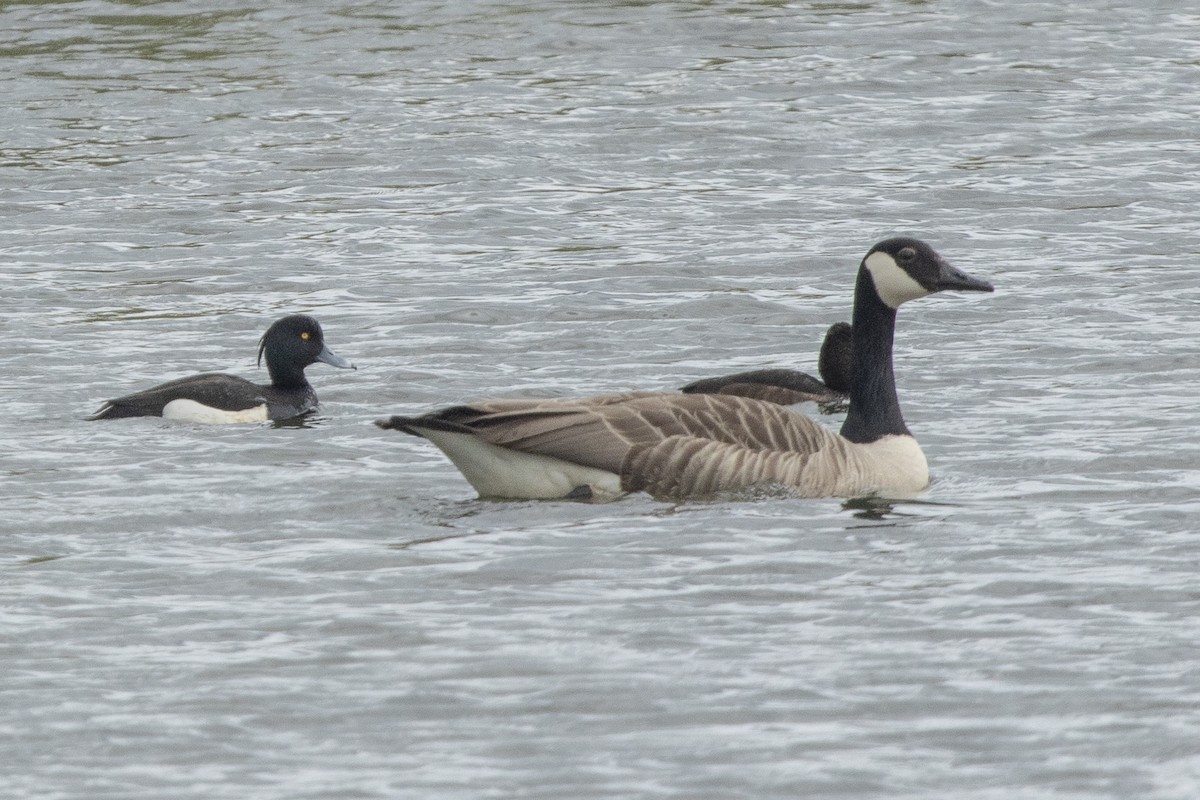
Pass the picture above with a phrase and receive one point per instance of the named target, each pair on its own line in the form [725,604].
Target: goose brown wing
[587,432]
[679,468]
[727,443]
[670,445]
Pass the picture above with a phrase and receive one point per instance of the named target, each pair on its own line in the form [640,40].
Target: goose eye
[305,335]
[906,254]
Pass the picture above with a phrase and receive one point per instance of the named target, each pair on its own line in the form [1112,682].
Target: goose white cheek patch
[895,286]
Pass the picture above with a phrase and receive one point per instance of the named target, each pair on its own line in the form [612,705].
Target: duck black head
[291,344]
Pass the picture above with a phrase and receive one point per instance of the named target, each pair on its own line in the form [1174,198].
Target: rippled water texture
[556,198]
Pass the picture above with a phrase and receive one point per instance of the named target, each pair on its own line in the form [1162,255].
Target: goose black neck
[286,375]
[874,406]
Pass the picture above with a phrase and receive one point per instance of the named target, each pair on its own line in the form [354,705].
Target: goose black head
[904,269]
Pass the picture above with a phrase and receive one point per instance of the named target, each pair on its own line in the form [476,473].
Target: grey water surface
[565,197]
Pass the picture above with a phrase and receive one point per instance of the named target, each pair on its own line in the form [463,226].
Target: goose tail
[416,426]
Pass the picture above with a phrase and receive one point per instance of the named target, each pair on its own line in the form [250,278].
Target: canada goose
[290,345]
[678,446]
[788,386]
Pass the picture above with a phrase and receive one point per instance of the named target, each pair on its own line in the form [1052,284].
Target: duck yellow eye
[305,335]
